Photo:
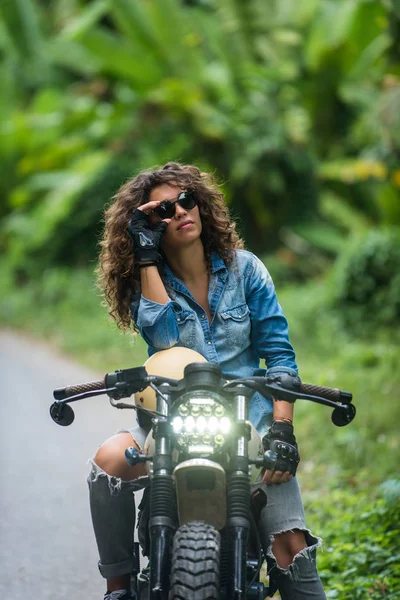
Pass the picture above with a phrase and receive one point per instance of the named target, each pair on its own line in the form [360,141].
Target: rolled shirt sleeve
[157,323]
[270,331]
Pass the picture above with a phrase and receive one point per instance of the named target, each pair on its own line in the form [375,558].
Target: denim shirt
[247,324]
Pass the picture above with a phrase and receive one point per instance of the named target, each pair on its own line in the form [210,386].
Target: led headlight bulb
[201,424]
[189,424]
[213,424]
[219,410]
[177,424]
[207,410]
[225,425]
[195,410]
[183,410]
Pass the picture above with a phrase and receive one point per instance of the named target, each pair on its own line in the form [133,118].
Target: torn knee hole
[97,473]
[288,546]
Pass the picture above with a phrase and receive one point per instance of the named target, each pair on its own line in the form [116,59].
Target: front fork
[238,500]
[162,507]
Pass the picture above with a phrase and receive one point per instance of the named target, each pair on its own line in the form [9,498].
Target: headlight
[201,423]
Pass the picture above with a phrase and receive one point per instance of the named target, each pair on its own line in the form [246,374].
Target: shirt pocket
[186,321]
[237,326]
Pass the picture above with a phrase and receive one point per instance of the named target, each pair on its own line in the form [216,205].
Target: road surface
[47,549]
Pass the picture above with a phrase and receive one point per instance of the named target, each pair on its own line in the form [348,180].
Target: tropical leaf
[22,23]
[329,29]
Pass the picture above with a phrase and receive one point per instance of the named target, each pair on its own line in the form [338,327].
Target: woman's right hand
[146,240]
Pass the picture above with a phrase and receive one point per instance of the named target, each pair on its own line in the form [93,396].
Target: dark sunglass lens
[187,200]
[165,210]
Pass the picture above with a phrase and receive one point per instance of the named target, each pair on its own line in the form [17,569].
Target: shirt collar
[217,264]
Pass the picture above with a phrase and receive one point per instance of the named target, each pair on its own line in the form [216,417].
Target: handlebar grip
[333,394]
[80,388]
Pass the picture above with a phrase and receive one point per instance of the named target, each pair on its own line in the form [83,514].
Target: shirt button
[209,343]
[178,319]
[203,316]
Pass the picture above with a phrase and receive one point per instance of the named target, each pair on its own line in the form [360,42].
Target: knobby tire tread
[195,562]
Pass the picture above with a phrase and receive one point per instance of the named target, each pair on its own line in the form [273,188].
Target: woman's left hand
[275,477]
[280,439]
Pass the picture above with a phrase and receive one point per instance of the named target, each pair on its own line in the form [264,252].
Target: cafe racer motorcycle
[199,526]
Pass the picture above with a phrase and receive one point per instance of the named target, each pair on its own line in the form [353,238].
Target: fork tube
[238,523]
[162,506]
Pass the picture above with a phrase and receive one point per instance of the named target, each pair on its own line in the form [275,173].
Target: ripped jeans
[113,515]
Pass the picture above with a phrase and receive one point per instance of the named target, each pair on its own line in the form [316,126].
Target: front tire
[195,562]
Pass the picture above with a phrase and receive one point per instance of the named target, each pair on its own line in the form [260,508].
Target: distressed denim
[247,324]
[284,512]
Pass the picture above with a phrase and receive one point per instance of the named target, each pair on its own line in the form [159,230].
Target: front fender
[201,492]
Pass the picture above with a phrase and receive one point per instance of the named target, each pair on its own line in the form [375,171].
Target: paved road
[47,548]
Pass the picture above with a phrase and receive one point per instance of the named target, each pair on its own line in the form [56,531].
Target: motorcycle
[199,525]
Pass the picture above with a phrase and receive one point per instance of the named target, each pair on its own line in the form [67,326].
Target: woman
[173,266]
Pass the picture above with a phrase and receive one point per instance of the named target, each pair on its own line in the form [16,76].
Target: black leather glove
[280,438]
[146,241]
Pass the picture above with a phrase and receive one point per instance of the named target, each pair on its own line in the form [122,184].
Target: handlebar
[126,382]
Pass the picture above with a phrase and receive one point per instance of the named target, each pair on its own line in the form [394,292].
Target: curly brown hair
[118,276]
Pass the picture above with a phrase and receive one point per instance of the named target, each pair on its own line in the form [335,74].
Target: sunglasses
[166,210]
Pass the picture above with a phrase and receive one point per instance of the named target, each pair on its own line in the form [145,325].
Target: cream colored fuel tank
[166,363]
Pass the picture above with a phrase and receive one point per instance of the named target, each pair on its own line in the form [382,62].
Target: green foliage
[361,542]
[279,102]
[367,280]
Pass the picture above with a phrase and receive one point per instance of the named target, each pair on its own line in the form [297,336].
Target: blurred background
[295,106]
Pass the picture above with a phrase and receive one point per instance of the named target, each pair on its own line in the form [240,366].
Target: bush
[367,280]
[361,542]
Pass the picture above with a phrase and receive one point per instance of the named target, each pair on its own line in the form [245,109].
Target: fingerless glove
[146,241]
[280,438]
